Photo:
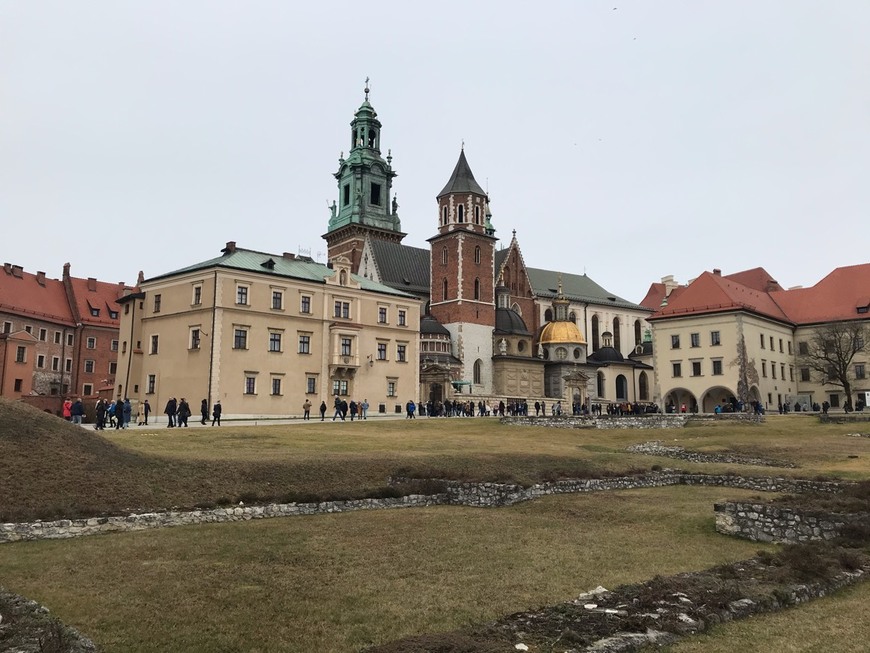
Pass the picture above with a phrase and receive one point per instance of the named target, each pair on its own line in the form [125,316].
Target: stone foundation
[762,522]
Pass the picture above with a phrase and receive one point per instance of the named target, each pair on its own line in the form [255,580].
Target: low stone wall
[479,495]
[844,418]
[644,421]
[657,448]
[762,522]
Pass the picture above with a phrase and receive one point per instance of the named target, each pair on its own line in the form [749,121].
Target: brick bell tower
[365,181]
[462,283]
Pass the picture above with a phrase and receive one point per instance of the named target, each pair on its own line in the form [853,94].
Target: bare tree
[747,374]
[830,352]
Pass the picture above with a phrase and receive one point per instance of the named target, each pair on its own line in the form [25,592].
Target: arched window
[516,309]
[444,215]
[573,317]
[616,339]
[637,336]
[548,315]
[460,213]
[477,252]
[477,366]
[601,385]
[595,341]
[443,256]
[477,288]
[621,388]
[444,290]
[643,387]
[476,215]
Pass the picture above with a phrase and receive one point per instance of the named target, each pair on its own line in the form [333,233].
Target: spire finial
[367,89]
[560,284]
[463,145]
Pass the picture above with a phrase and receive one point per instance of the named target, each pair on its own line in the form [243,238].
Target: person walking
[147,411]
[322,410]
[216,413]
[364,409]
[67,409]
[203,409]
[411,408]
[306,410]
[77,411]
[119,413]
[171,409]
[127,411]
[183,412]
[337,403]
[353,409]
[101,415]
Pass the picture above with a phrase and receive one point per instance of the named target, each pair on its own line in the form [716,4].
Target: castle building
[59,337]
[262,333]
[483,310]
[723,339]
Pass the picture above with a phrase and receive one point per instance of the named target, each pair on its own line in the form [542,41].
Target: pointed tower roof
[462,180]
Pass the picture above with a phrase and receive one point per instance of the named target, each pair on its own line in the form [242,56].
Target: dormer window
[95,312]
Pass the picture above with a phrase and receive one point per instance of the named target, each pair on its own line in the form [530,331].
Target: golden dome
[561,332]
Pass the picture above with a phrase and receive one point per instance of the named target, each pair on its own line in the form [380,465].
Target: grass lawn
[340,582]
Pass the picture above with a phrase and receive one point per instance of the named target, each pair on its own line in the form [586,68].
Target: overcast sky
[629,140]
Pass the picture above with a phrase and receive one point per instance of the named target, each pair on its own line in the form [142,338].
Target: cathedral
[491,328]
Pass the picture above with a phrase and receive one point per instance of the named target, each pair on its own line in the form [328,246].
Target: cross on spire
[367,89]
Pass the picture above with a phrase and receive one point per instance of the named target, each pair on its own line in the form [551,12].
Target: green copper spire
[365,178]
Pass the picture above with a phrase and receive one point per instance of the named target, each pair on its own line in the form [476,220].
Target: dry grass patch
[339,582]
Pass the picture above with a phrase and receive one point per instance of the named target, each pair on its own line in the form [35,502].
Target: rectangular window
[714,338]
[677,370]
[91,343]
[242,296]
[789,346]
[55,364]
[304,343]
[67,365]
[43,335]
[113,367]
[311,385]
[305,304]
[20,354]
[274,341]
[780,345]
[805,374]
[803,348]
[764,369]
[57,337]
[391,388]
[403,318]
[28,328]
[782,371]
[197,296]
[342,309]
[382,315]
[157,301]
[40,361]
[339,387]
[771,343]
[401,353]
[675,341]
[345,195]
[114,345]
[69,340]
[7,327]
[240,339]
[89,367]
[155,344]
[834,400]
[772,369]
[375,196]
[250,385]
[790,373]
[277,300]
[87,389]
[382,351]
[194,338]
[696,368]
[126,309]
[18,384]
[761,339]
[695,339]
[152,383]
[276,386]
[113,315]
[717,367]
[346,347]
[860,372]
[95,312]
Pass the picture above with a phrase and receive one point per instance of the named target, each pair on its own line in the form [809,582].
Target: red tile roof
[836,297]
[654,296]
[21,292]
[98,295]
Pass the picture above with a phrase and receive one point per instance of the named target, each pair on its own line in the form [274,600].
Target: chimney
[40,278]
[92,284]
[717,272]
[18,271]
[288,256]
[66,270]
[230,248]
[7,267]
[669,283]
[140,279]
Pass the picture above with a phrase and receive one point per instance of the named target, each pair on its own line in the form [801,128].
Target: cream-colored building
[263,333]
[698,330]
